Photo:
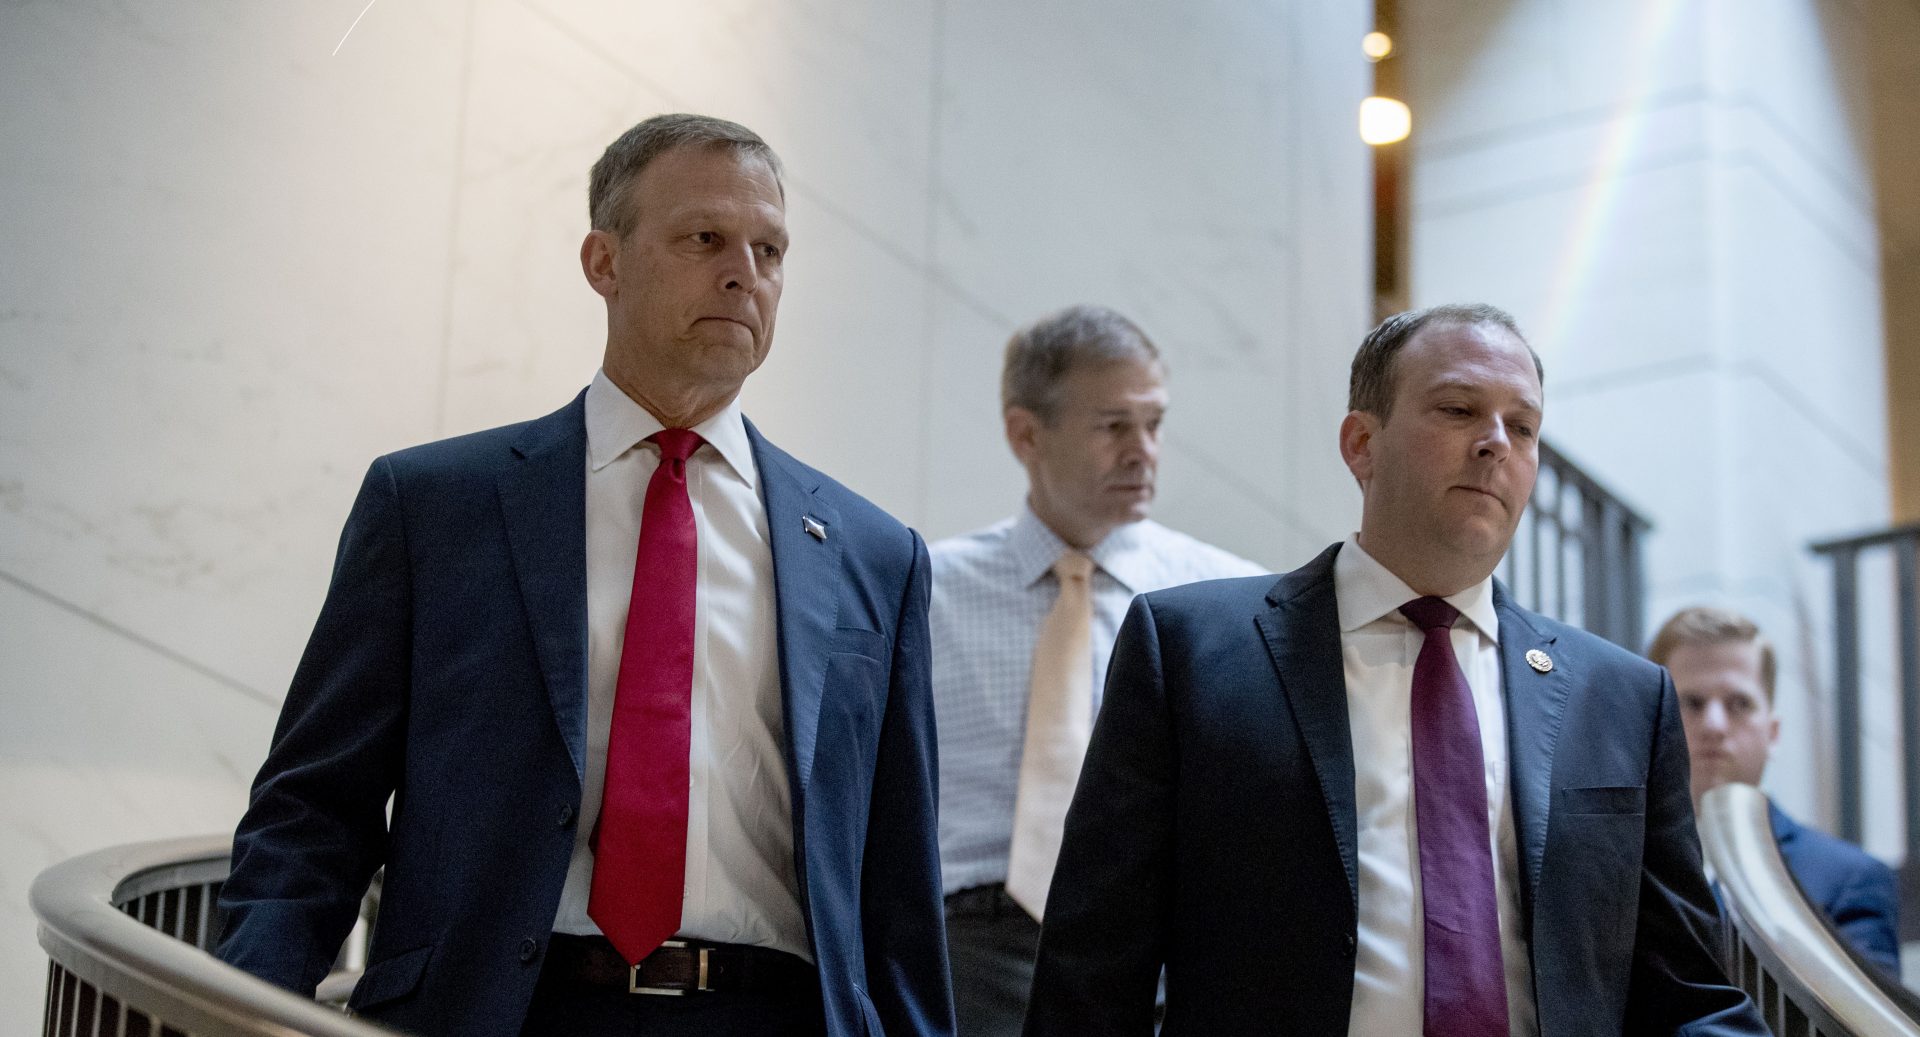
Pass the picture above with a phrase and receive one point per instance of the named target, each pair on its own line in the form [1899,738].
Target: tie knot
[1073,566]
[1430,613]
[676,444]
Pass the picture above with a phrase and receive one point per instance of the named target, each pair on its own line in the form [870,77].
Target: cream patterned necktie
[1059,722]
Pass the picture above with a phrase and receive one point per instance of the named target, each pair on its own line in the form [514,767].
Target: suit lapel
[1302,632]
[806,580]
[543,505]
[1536,703]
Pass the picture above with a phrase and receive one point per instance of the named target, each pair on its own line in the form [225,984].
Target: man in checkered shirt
[1082,393]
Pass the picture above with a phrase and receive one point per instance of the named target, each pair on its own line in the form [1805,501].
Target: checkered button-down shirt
[991,591]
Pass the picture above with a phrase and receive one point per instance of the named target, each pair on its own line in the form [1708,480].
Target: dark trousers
[564,1008]
[991,942]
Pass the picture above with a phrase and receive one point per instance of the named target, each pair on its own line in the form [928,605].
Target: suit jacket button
[1350,945]
[529,948]
[566,815]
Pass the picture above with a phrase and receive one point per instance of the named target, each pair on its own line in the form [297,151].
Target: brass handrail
[106,954]
[1778,947]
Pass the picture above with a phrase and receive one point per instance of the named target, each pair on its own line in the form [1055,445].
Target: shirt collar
[1123,555]
[615,424]
[1367,591]
[1034,547]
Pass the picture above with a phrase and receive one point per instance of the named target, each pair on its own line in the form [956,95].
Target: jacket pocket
[858,641]
[1604,799]
[390,978]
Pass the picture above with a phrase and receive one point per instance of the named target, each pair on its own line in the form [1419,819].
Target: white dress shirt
[741,885]
[1379,647]
[991,591]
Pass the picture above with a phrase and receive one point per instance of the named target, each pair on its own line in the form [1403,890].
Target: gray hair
[623,160]
[1371,386]
[1042,354]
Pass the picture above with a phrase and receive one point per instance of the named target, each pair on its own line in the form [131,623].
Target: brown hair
[1370,386]
[1704,627]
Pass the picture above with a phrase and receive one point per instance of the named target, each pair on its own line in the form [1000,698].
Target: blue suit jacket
[448,669]
[1214,831]
[1856,893]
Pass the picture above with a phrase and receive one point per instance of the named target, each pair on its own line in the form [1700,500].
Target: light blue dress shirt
[991,590]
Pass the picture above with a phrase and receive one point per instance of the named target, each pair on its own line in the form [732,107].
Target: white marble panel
[1801,313]
[1133,156]
[1656,442]
[969,475]
[223,281]
[1524,67]
[1570,155]
[524,330]
[1607,279]
[106,742]
[1797,66]
[840,88]
[843,388]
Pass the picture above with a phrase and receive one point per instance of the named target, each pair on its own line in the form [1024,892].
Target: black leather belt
[989,901]
[677,967]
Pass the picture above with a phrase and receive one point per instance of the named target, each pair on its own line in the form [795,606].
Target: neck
[672,407]
[1430,574]
[1080,537]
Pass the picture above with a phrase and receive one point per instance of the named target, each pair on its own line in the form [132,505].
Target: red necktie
[1466,984]
[640,856]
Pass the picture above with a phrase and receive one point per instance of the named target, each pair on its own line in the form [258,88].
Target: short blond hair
[1703,626]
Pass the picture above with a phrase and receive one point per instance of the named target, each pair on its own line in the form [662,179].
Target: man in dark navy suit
[1375,796]
[1723,670]
[650,697]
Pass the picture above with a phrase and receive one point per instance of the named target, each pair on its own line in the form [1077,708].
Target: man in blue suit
[1723,671]
[1375,796]
[650,697]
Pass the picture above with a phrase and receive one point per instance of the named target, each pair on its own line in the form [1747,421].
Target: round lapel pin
[1539,660]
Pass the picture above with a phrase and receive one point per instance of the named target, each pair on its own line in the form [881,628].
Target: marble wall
[237,262]
[1676,199]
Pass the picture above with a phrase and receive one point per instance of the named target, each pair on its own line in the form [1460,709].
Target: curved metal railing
[126,930]
[1778,947]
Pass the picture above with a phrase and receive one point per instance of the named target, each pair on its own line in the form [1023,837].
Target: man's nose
[1494,441]
[1713,718]
[741,270]
[1142,445]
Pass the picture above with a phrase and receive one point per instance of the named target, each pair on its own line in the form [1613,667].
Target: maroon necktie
[1466,987]
[640,854]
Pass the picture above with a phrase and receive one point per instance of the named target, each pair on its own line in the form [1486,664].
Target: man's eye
[770,251]
[704,237]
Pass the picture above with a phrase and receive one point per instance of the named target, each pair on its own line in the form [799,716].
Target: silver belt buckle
[700,982]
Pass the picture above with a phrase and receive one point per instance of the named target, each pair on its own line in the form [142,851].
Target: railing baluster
[1846,687]
[1907,566]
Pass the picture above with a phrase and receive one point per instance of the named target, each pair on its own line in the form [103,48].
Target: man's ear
[1356,443]
[1023,433]
[597,255]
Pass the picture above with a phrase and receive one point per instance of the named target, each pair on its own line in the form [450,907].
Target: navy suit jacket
[1856,893]
[1214,831]
[448,669]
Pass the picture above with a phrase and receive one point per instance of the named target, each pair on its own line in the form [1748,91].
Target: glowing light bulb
[1384,120]
[1376,45]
